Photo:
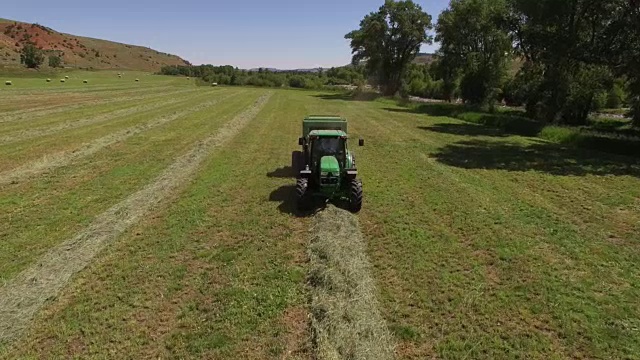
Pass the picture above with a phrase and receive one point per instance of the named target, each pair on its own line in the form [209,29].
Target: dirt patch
[346,320]
[63,158]
[24,295]
[296,341]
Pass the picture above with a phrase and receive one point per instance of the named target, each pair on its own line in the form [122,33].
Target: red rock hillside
[77,51]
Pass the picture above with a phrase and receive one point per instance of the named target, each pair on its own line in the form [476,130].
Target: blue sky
[243,33]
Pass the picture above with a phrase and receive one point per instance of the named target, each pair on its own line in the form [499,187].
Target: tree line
[559,59]
[229,75]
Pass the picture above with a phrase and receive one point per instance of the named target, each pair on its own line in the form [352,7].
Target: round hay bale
[188,78]
[85,81]
[48,80]
[8,82]
[62,80]
[119,76]
[66,77]
[137,79]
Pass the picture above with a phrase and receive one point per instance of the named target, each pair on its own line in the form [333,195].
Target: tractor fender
[351,160]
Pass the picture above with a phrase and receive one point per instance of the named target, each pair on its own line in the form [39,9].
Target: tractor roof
[324,118]
[327,133]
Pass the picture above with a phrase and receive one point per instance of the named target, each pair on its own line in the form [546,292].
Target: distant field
[156,219]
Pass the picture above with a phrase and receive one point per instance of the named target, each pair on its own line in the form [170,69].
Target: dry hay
[23,296]
[346,322]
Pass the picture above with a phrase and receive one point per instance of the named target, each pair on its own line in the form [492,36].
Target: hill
[78,51]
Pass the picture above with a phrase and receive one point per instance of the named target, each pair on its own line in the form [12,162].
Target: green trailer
[326,167]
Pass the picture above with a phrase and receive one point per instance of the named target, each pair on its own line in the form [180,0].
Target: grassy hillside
[78,51]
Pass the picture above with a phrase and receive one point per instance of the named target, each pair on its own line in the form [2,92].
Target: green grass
[561,135]
[69,196]
[484,243]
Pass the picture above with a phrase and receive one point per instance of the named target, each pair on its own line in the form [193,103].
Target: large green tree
[31,56]
[389,40]
[620,48]
[563,39]
[476,46]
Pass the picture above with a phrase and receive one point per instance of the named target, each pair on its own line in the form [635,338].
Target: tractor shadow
[286,172]
[286,196]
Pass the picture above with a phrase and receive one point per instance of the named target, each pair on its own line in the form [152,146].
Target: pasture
[156,219]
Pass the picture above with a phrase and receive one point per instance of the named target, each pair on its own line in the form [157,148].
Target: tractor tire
[355,196]
[297,161]
[303,194]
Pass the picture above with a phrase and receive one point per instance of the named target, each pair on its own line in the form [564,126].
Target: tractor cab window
[328,146]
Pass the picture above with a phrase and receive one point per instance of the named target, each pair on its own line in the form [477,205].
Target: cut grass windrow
[24,114]
[63,158]
[23,296]
[68,125]
[346,321]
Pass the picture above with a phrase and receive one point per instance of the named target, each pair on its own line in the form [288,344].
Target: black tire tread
[355,196]
[302,193]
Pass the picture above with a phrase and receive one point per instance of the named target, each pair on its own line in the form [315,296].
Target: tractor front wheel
[355,196]
[303,194]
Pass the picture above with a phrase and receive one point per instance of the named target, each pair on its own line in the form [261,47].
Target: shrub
[615,97]
[561,135]
[55,61]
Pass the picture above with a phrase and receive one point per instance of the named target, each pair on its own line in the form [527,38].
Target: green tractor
[326,167]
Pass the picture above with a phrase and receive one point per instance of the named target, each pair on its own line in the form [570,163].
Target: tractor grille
[329,181]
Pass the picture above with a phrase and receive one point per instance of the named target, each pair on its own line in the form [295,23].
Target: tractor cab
[328,143]
[328,149]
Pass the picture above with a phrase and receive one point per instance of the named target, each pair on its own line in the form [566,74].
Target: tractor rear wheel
[304,195]
[355,196]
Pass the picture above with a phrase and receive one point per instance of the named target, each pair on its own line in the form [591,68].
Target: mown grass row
[489,245]
[483,245]
[18,153]
[85,110]
[62,202]
[218,273]
[18,107]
